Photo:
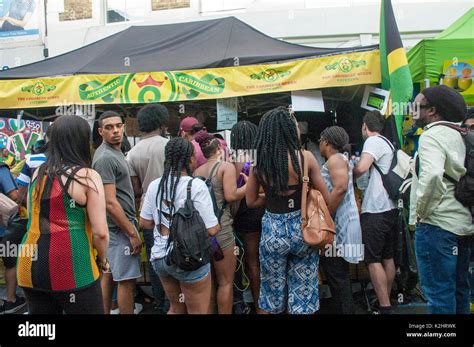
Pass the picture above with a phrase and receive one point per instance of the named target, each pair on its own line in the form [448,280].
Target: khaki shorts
[225,237]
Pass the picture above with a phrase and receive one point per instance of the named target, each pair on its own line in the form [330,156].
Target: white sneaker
[138,308]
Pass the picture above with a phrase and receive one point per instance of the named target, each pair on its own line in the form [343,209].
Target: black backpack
[464,192]
[191,246]
[397,181]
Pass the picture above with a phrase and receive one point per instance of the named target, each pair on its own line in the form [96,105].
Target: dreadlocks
[276,138]
[178,153]
[243,135]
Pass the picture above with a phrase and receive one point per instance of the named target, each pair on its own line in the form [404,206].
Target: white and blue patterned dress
[348,231]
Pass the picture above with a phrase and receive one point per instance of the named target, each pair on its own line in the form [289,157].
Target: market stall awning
[197,60]
[454,45]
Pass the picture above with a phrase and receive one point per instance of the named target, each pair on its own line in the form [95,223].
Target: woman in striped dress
[66,212]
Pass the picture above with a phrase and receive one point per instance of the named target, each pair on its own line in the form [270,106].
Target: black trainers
[382,310]
[12,307]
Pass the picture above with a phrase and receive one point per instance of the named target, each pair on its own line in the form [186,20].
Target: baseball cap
[187,124]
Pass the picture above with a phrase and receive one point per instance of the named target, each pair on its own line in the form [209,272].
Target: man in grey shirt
[146,162]
[124,241]
[147,158]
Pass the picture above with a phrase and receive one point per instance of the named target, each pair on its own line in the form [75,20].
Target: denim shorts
[165,270]
[123,265]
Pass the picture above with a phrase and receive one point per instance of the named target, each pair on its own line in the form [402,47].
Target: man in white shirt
[379,213]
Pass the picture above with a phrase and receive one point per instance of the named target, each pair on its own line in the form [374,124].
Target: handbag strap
[304,191]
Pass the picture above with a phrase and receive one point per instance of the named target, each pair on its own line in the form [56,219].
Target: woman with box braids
[288,266]
[163,198]
[178,153]
[247,221]
[277,138]
[243,135]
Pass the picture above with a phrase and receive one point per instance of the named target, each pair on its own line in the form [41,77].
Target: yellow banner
[324,72]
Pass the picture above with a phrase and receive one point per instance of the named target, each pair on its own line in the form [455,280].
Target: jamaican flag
[395,72]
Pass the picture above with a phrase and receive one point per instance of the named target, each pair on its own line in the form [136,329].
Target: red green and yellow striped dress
[61,231]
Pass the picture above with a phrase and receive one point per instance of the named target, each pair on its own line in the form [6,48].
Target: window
[157,5]
[125,10]
[76,10]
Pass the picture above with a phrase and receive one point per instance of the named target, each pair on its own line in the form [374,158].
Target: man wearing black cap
[443,224]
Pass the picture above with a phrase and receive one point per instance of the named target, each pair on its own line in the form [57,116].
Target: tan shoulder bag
[316,221]
[8,208]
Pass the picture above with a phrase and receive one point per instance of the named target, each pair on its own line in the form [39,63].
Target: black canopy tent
[194,45]
[216,43]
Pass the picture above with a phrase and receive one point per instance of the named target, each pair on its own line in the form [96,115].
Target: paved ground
[416,305]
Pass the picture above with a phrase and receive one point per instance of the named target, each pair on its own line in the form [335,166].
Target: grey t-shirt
[146,160]
[113,169]
[19,8]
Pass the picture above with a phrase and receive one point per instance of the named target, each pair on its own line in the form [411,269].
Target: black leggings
[83,301]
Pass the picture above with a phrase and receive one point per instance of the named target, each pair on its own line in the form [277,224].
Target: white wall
[335,23]
[20,56]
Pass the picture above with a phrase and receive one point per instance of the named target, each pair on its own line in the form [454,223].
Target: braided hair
[243,135]
[337,137]
[178,153]
[276,138]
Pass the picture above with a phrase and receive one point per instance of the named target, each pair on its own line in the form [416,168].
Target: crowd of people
[85,213]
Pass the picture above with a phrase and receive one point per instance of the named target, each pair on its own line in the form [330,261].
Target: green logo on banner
[270,75]
[345,65]
[192,86]
[107,91]
[39,88]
